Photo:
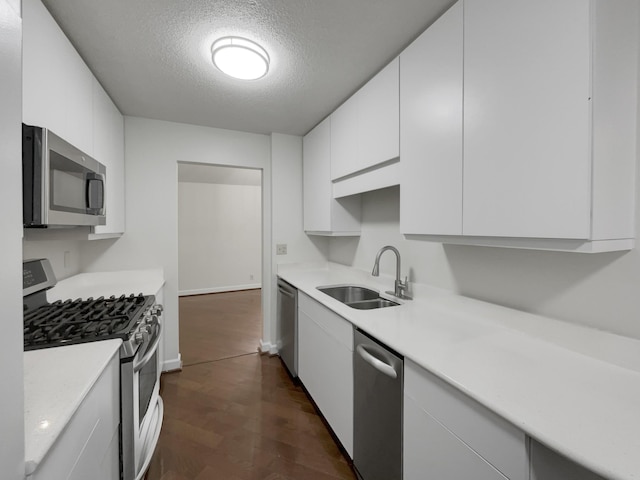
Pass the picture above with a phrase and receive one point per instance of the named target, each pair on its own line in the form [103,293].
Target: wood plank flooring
[219,325]
[237,418]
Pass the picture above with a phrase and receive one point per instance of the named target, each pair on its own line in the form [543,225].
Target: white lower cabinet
[549,465]
[325,365]
[432,451]
[449,436]
[89,445]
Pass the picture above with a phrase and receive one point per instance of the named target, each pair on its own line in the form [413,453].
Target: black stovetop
[79,321]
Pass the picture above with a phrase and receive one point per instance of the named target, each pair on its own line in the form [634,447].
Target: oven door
[142,408]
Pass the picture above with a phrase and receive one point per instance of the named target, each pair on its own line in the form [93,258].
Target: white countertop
[85,285]
[572,388]
[56,381]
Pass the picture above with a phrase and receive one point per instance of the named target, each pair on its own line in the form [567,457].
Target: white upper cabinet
[345,138]
[324,215]
[526,118]
[57,87]
[431,134]
[380,117]
[61,94]
[365,135]
[548,125]
[109,149]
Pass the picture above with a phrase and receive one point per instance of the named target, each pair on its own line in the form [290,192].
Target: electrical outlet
[66,260]
[281,249]
[251,277]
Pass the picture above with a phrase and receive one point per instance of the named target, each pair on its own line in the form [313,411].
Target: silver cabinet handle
[379,365]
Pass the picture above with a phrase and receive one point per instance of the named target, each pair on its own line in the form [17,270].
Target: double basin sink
[361,298]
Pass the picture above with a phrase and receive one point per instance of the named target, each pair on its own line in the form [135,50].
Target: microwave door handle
[90,178]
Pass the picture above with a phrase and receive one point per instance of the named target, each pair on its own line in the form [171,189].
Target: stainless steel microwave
[61,185]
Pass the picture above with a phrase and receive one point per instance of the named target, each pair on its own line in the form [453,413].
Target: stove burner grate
[78,321]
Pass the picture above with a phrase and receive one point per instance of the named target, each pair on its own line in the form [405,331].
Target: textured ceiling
[153,56]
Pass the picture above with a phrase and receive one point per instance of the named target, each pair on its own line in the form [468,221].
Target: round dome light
[240,58]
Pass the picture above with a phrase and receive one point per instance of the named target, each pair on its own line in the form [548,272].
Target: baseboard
[268,348]
[172,365]
[230,288]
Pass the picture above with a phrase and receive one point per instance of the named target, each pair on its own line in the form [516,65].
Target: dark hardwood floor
[233,414]
[219,325]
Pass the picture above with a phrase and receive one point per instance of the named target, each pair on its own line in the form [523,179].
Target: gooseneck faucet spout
[400,286]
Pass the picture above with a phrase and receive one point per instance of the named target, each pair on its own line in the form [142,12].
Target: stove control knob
[157,309]
[151,320]
[139,338]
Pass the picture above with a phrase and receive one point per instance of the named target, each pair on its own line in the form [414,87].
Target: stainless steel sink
[371,304]
[361,298]
[349,293]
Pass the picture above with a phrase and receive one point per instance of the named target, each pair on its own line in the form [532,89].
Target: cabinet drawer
[499,442]
[333,324]
[433,452]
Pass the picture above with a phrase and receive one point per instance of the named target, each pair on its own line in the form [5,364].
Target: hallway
[219,325]
[232,414]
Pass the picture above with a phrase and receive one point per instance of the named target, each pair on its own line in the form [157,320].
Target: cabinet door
[316,176]
[379,124]
[57,85]
[365,129]
[433,452]
[344,138]
[527,118]
[85,449]
[109,150]
[498,442]
[431,129]
[325,367]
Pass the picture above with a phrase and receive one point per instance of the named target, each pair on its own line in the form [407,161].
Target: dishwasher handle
[376,363]
[285,292]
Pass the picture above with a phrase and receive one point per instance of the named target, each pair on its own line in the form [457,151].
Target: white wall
[61,246]
[219,237]
[286,182]
[152,151]
[11,356]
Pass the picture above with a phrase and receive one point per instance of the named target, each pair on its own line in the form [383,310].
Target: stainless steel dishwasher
[288,325]
[377,409]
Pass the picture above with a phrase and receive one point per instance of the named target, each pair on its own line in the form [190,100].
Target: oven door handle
[139,365]
[154,440]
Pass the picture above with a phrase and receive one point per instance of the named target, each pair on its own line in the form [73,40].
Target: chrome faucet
[400,287]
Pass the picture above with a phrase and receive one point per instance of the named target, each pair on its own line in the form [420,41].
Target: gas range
[78,321]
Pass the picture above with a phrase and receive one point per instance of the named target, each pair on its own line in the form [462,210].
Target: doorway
[219,261]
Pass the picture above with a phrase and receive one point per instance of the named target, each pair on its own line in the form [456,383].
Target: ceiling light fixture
[240,58]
